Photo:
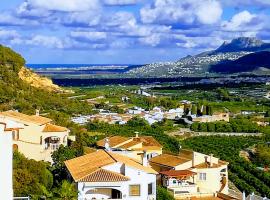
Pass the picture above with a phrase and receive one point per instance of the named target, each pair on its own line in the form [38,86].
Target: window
[150,188]
[18,135]
[202,176]
[134,190]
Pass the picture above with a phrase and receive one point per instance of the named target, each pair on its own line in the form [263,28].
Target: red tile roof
[182,174]
[103,175]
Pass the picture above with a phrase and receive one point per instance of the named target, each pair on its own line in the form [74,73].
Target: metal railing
[21,198]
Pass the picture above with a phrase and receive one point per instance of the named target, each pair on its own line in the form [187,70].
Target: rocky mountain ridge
[200,65]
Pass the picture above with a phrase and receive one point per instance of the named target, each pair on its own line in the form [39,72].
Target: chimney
[137,134]
[107,145]
[211,160]
[193,159]
[206,161]
[244,196]
[37,112]
[144,159]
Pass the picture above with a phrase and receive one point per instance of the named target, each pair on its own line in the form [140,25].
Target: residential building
[212,118]
[191,174]
[6,189]
[35,136]
[109,175]
[134,147]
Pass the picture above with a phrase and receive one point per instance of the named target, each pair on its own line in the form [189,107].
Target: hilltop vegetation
[18,94]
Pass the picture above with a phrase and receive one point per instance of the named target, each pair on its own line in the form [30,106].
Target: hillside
[202,64]
[25,91]
[246,63]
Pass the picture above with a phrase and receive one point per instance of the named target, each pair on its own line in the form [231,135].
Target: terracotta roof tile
[103,175]
[148,141]
[39,120]
[54,128]
[178,173]
[85,165]
[124,142]
[129,144]
[114,141]
[169,160]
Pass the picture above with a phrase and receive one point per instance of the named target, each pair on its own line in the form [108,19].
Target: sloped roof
[129,144]
[125,142]
[114,141]
[84,166]
[103,175]
[148,141]
[54,128]
[182,174]
[39,120]
[169,160]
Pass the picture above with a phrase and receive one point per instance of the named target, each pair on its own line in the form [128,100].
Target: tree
[194,110]
[67,191]
[204,111]
[163,194]
[59,156]
[262,155]
[209,110]
[31,177]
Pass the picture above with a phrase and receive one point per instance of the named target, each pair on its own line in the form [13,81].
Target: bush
[163,194]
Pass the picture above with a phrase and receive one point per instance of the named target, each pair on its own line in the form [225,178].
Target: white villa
[109,175]
[35,136]
[191,174]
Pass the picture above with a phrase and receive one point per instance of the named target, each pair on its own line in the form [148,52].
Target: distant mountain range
[241,55]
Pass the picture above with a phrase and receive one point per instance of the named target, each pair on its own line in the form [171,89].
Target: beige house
[35,136]
[191,174]
[212,118]
[134,147]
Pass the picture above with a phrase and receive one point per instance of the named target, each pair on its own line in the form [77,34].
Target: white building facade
[112,176]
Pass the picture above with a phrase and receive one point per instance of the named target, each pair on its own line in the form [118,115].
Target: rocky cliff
[38,81]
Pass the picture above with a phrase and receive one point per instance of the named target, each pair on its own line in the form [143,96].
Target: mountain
[205,62]
[243,44]
[246,63]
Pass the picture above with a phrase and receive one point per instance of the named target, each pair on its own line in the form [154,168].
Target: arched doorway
[15,147]
[116,194]
[52,142]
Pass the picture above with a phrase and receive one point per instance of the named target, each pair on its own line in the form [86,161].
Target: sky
[126,31]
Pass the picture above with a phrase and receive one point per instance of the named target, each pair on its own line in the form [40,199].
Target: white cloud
[87,18]
[65,5]
[89,36]
[152,40]
[7,19]
[244,22]
[253,3]
[8,34]
[119,2]
[184,11]
[40,40]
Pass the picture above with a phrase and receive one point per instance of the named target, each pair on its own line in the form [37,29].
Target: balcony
[186,189]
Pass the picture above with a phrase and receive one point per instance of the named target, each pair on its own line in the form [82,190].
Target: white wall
[6,190]
[137,177]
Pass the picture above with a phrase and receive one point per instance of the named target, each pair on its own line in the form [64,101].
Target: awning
[178,174]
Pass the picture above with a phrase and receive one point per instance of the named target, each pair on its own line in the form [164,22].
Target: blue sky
[126,31]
